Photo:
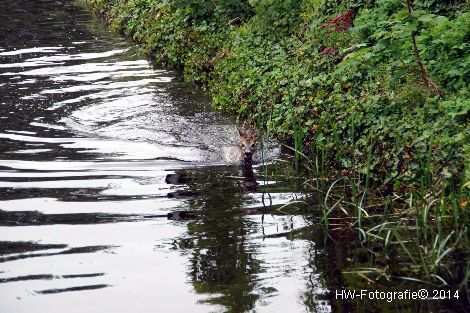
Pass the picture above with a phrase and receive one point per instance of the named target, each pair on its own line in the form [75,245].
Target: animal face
[249,139]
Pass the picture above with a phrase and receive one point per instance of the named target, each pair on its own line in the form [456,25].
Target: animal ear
[254,134]
[241,131]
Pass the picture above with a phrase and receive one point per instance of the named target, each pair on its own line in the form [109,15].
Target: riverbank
[344,80]
[375,88]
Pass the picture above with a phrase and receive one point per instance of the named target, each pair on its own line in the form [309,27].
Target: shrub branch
[424,74]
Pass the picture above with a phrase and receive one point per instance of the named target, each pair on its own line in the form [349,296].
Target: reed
[427,226]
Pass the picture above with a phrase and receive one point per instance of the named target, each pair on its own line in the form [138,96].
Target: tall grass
[427,226]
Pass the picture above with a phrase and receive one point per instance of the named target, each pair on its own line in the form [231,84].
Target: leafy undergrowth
[343,78]
[372,88]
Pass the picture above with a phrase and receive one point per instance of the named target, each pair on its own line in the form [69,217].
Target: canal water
[114,196]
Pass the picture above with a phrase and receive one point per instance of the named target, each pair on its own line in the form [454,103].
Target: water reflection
[221,264]
[239,255]
[113,186]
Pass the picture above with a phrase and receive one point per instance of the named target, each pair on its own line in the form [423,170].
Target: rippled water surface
[99,155]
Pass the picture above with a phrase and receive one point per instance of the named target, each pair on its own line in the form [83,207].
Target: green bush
[343,76]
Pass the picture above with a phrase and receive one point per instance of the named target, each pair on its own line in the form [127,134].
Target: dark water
[115,195]
[96,149]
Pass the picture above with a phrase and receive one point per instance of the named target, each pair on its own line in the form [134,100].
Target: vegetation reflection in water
[227,259]
[225,240]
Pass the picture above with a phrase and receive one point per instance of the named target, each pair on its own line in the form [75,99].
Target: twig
[424,74]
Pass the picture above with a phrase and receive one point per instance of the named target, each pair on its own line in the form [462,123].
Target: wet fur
[249,140]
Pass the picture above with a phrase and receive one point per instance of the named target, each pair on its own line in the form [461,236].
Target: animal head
[249,139]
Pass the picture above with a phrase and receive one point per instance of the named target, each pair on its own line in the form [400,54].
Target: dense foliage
[379,85]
